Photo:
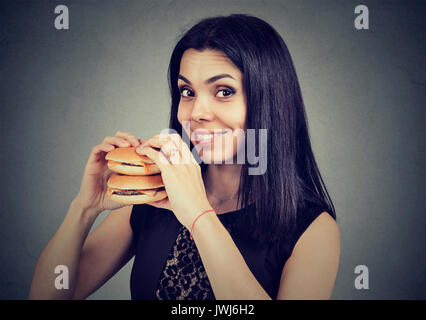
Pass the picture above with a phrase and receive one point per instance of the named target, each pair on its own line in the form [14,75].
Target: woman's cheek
[239,143]
[179,114]
[184,122]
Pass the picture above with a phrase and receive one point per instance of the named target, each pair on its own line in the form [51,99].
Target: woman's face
[212,107]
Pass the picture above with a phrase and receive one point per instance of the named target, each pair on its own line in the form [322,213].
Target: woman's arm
[90,261]
[63,249]
[69,245]
[228,273]
[309,274]
[311,270]
[106,250]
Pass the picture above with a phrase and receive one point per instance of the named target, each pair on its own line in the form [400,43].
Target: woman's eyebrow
[210,80]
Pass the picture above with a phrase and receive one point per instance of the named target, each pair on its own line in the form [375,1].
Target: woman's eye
[185,92]
[223,93]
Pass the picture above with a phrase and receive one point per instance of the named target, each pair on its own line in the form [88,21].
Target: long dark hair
[274,101]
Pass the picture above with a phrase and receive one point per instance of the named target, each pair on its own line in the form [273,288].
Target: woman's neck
[221,182]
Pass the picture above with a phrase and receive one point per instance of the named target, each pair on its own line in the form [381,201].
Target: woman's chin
[222,154]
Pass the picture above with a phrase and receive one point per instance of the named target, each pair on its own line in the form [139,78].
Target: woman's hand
[93,190]
[181,175]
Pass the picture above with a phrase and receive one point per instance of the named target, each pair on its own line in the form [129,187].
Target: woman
[274,234]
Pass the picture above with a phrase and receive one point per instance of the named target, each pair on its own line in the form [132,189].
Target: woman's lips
[207,138]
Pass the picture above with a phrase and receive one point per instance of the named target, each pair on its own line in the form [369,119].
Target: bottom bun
[138,199]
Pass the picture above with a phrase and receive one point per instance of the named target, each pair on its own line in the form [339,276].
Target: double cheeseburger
[136,178]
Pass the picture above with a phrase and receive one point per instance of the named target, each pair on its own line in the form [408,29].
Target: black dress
[167,264]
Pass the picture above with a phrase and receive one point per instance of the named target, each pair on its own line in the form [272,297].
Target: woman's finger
[117,141]
[185,153]
[164,204]
[157,141]
[168,142]
[172,152]
[167,146]
[160,159]
[98,152]
[173,147]
[105,147]
[129,137]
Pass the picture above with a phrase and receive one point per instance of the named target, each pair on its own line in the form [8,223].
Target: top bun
[128,155]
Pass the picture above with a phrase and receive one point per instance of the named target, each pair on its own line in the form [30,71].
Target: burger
[136,189]
[127,161]
[136,178]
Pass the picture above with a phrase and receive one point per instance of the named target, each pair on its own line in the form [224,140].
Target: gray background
[61,92]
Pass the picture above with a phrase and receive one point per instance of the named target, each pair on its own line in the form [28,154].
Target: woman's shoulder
[310,209]
[315,221]
[309,213]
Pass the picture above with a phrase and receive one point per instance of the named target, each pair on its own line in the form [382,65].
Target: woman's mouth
[206,138]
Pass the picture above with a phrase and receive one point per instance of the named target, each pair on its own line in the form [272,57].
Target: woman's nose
[201,110]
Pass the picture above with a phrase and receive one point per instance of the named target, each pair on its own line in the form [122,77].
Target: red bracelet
[192,227]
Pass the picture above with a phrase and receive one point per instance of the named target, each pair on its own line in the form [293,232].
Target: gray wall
[61,92]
